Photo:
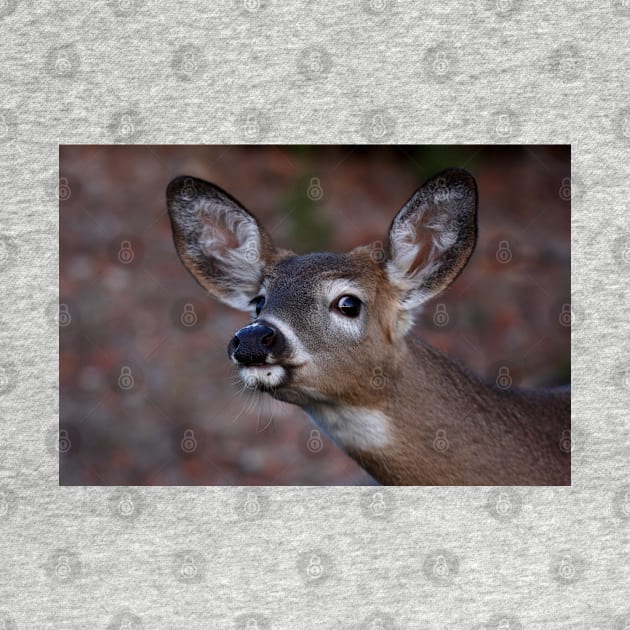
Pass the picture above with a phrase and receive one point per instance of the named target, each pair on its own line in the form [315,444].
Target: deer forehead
[323,274]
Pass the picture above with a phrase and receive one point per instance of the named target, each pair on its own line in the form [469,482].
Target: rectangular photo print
[242,315]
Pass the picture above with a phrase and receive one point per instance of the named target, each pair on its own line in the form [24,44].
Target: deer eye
[258,302]
[348,305]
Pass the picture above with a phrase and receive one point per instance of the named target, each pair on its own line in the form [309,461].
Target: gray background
[336,72]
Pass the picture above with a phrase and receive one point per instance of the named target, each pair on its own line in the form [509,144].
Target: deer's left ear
[432,236]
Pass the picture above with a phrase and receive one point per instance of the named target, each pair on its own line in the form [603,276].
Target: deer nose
[252,344]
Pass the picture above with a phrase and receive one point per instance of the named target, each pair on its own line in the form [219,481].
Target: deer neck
[434,423]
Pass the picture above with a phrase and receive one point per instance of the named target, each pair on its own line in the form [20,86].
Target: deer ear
[219,242]
[432,237]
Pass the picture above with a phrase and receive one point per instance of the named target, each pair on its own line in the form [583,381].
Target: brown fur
[443,426]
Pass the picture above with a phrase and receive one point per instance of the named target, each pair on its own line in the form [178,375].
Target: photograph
[260,315]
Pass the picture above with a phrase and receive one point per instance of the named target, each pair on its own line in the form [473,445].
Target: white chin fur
[264,375]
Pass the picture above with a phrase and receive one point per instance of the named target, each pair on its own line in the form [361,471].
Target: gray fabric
[263,71]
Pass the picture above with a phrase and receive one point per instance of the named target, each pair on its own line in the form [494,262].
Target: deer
[331,333]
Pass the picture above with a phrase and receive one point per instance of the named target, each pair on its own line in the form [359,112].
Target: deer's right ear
[219,242]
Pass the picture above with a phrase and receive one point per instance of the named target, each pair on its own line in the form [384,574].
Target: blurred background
[147,394]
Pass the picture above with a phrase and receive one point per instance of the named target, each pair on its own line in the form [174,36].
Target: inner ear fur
[433,236]
[220,243]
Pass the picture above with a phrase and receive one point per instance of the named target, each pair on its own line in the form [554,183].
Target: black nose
[253,344]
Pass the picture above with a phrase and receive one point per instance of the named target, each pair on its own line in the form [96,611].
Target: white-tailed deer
[330,333]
